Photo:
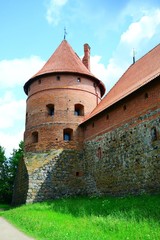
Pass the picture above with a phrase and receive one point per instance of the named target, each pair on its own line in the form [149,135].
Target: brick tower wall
[64,94]
[54,166]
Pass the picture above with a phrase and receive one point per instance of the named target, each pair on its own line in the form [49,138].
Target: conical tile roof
[64,60]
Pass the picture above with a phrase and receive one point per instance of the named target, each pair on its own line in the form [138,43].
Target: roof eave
[121,98]
[34,78]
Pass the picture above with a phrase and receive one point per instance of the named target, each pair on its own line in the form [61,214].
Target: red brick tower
[59,96]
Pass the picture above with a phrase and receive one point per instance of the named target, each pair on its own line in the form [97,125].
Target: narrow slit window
[146,95]
[99,153]
[107,116]
[26,117]
[77,174]
[124,107]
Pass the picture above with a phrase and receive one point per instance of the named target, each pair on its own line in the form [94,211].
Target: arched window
[78,110]
[67,134]
[154,134]
[34,137]
[50,109]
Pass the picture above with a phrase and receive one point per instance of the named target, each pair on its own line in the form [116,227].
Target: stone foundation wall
[125,160]
[54,174]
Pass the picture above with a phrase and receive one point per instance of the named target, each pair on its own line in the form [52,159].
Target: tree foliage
[8,168]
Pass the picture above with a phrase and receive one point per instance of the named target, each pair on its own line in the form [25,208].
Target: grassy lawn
[129,218]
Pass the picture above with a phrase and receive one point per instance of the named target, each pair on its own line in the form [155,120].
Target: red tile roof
[65,60]
[138,74]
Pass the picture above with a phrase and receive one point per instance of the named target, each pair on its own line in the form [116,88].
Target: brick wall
[122,152]
[144,100]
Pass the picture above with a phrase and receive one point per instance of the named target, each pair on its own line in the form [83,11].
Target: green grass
[129,218]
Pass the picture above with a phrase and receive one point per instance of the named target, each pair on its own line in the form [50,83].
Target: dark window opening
[154,134]
[78,79]
[50,109]
[58,78]
[146,95]
[78,110]
[93,124]
[39,81]
[124,107]
[34,137]
[107,117]
[67,134]
[26,118]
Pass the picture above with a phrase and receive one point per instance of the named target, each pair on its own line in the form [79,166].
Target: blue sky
[31,31]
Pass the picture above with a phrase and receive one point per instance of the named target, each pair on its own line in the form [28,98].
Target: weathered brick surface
[134,105]
[121,156]
[129,162]
[64,94]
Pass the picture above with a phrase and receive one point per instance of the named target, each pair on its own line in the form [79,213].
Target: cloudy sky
[31,31]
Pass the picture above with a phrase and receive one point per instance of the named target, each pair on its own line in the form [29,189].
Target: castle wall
[54,174]
[122,147]
[138,103]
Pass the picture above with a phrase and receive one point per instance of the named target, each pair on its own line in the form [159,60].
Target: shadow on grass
[4,207]
[137,207]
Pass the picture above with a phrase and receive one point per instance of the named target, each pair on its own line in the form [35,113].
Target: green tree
[3,173]
[8,168]
[16,156]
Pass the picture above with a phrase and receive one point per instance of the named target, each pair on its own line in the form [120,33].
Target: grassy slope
[90,218]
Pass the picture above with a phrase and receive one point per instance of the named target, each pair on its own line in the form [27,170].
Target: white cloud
[145,28]
[14,73]
[11,121]
[53,11]
[108,74]
[10,141]
[17,71]
[11,110]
